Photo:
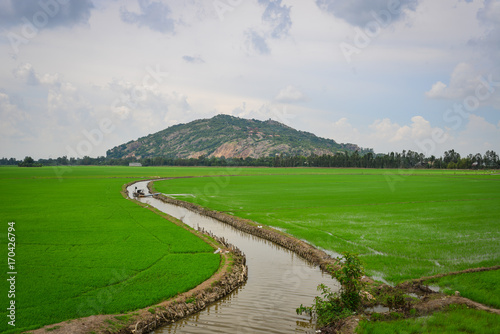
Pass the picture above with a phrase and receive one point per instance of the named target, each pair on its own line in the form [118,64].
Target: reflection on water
[278,282]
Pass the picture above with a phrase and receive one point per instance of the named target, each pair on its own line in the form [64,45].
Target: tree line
[406,159]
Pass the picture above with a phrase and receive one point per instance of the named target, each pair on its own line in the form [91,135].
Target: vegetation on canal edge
[334,306]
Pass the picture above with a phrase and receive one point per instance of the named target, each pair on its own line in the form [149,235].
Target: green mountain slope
[230,137]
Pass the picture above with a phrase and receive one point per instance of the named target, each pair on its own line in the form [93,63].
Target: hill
[229,137]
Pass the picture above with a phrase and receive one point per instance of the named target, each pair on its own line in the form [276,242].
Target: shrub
[331,307]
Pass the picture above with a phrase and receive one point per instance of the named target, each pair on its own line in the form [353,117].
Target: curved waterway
[278,282]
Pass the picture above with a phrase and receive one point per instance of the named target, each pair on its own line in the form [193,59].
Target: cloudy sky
[79,77]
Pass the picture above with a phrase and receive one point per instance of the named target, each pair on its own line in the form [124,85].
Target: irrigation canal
[278,282]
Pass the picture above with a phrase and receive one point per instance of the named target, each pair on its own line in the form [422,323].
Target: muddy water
[278,282]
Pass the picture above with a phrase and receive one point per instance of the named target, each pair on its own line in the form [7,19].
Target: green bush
[331,307]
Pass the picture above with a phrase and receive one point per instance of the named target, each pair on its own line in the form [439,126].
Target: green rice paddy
[403,225]
[483,287]
[82,249]
[456,319]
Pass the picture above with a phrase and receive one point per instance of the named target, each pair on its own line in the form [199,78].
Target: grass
[456,319]
[82,249]
[482,287]
[403,225]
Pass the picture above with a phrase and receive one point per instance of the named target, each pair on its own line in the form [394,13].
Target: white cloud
[384,129]
[489,41]
[275,24]
[470,141]
[26,73]
[419,136]
[193,59]
[45,14]
[257,42]
[360,12]
[65,105]
[147,109]
[344,132]
[384,135]
[244,63]
[437,90]
[12,117]
[155,15]
[419,129]
[290,94]
[277,16]
[469,86]
[463,81]
[490,13]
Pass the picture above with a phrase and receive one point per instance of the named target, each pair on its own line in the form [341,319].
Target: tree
[479,159]
[491,159]
[29,162]
[464,163]
[451,156]
[62,160]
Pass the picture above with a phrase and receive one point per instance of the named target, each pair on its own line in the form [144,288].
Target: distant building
[135,164]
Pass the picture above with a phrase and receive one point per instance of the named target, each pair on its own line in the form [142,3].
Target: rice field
[402,225]
[482,287]
[82,249]
[455,319]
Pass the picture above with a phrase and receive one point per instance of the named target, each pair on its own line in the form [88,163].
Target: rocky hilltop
[229,137]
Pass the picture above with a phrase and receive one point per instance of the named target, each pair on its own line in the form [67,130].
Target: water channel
[278,282]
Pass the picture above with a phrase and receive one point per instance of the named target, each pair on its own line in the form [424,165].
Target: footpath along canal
[278,282]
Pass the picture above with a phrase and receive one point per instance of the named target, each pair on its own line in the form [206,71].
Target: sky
[78,77]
